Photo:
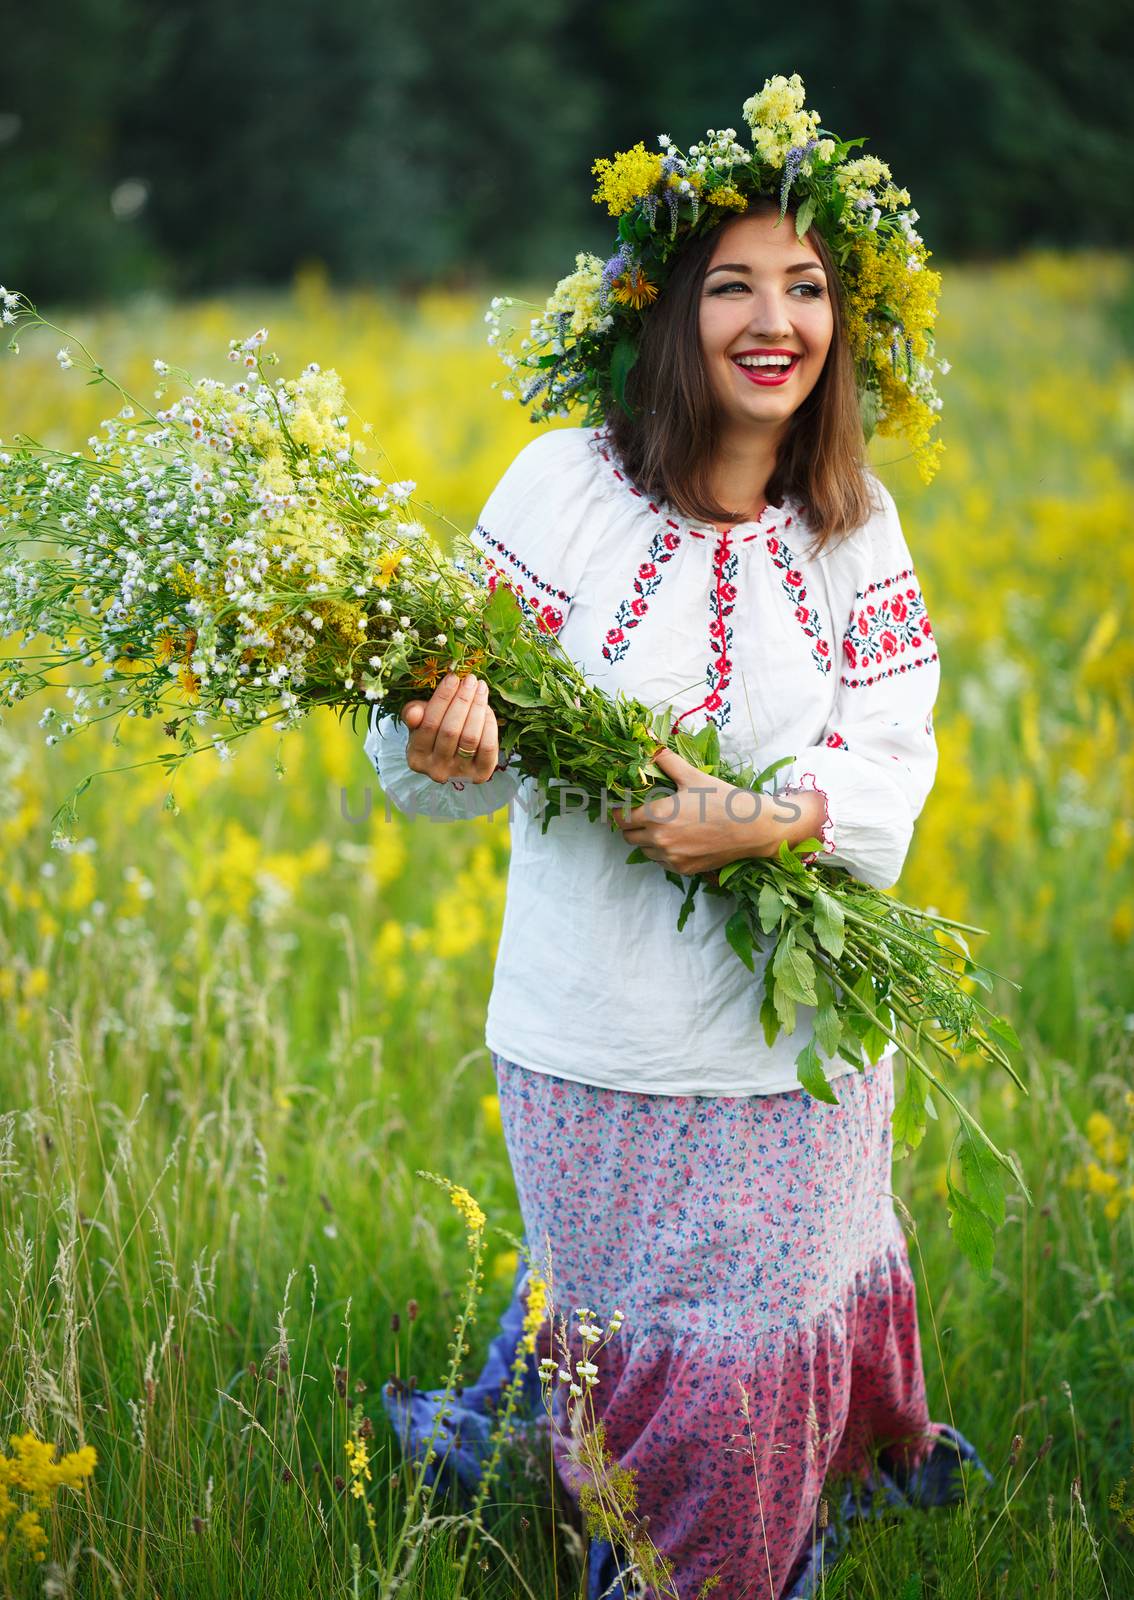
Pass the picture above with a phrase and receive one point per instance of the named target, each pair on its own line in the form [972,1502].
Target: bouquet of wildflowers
[226,562]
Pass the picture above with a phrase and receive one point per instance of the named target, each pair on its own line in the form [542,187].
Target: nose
[768,319]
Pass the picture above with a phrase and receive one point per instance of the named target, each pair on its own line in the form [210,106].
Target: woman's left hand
[705,825]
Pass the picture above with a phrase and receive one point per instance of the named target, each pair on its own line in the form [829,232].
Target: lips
[767,375]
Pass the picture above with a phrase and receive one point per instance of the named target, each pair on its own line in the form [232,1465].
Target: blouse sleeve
[416,793]
[877,759]
[526,534]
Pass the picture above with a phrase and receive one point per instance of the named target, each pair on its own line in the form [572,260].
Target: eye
[816,290]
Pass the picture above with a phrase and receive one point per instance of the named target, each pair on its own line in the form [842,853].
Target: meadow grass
[234,1033]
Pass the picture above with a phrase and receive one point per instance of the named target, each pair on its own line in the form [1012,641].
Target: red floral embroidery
[835,741]
[888,622]
[630,612]
[806,615]
[721,604]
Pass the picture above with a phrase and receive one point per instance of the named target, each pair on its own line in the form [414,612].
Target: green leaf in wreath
[739,936]
[812,1076]
[984,1177]
[972,1230]
[622,360]
[804,217]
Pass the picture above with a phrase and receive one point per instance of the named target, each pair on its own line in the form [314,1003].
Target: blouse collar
[768,522]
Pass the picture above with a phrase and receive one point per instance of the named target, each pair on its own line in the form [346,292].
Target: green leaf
[622,359]
[739,936]
[830,923]
[769,1017]
[812,1076]
[804,217]
[908,1117]
[984,1178]
[1003,1030]
[502,616]
[784,1004]
[972,1231]
[770,906]
[636,856]
[518,693]
[828,1028]
[727,872]
[795,970]
[687,903]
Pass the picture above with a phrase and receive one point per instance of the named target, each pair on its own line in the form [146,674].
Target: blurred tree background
[188,147]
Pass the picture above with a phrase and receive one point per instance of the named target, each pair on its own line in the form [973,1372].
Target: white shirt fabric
[830,660]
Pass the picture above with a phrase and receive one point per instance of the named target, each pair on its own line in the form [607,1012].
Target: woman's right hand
[457,714]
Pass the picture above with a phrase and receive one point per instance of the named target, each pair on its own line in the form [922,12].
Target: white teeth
[763,361]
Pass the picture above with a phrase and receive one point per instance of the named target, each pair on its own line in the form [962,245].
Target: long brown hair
[667,446]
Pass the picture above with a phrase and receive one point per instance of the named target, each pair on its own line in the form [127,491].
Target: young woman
[726,551]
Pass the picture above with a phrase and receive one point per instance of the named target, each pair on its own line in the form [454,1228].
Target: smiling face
[765,293]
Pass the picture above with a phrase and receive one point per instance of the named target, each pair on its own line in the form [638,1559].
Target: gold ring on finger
[465,753]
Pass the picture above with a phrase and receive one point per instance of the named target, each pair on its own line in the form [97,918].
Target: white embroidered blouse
[830,660]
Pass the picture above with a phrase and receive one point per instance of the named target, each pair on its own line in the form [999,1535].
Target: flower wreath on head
[580,350]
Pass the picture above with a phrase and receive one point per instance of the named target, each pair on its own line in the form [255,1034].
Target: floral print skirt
[752,1247]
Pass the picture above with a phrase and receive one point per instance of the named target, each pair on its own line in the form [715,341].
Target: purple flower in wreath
[620,262]
[791,169]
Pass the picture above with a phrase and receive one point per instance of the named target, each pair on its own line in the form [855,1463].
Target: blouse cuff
[868,824]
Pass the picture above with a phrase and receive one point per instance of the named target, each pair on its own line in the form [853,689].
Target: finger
[448,733]
[472,732]
[488,753]
[436,707]
[412,712]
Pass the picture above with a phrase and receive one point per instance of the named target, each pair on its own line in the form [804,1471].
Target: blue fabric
[463,1444]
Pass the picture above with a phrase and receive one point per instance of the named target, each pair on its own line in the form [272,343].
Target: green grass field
[235,1031]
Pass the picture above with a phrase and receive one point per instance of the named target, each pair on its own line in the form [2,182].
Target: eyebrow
[738,266]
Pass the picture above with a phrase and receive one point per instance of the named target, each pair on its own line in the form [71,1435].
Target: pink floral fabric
[749,1242]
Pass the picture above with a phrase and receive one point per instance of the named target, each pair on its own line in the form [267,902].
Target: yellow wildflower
[467,1206]
[427,674]
[490,1105]
[1109,1145]
[357,1461]
[633,289]
[1099,1181]
[631,174]
[578,294]
[536,1311]
[727,196]
[31,1470]
[387,566]
[189,684]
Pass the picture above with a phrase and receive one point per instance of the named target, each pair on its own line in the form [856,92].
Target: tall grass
[234,1034]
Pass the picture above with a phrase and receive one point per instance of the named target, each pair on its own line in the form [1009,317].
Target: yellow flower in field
[358,1462]
[490,1105]
[631,174]
[1099,1181]
[504,1265]
[467,1206]
[1108,1144]
[32,1470]
[536,1312]
[633,289]
[578,294]
[36,983]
